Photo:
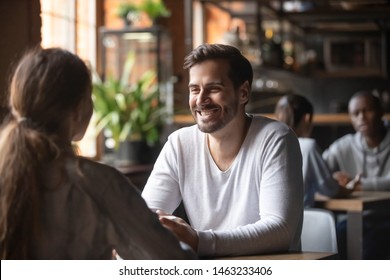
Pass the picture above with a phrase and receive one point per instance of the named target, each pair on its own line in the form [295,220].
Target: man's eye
[194,90]
[356,114]
[215,89]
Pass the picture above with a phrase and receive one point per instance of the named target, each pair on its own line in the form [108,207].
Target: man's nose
[361,115]
[203,97]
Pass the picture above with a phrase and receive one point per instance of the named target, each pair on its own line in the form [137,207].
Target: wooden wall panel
[21,25]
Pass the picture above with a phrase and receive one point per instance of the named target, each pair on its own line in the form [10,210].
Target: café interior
[325,50]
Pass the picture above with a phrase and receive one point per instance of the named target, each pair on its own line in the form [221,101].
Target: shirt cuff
[206,243]
[369,184]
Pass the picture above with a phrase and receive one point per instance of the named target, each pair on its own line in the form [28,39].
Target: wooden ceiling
[368,16]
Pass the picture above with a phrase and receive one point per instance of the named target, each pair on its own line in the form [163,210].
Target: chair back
[318,231]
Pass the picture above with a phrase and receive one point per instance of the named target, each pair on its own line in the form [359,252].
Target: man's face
[365,117]
[212,98]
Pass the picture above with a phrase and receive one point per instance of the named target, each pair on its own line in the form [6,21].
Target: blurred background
[326,50]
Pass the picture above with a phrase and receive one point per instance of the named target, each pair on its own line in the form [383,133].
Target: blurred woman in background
[297,112]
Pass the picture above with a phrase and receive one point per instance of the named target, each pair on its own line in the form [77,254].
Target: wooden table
[354,207]
[285,256]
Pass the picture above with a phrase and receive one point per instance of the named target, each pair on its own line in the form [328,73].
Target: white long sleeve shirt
[255,206]
[351,154]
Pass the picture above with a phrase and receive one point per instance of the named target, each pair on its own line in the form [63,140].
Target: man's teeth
[206,113]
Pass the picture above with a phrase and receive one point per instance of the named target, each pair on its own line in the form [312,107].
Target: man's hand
[354,184]
[347,184]
[342,178]
[183,231]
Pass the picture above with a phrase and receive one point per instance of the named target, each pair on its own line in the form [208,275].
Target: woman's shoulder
[88,164]
[99,172]
[307,143]
[309,147]
[103,181]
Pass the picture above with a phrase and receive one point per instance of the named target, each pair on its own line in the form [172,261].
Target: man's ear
[245,91]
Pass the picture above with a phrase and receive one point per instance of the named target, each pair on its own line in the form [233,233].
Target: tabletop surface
[357,201]
[285,256]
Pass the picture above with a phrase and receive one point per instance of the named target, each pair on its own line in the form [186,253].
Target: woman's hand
[183,231]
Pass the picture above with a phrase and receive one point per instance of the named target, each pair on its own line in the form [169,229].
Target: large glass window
[71,24]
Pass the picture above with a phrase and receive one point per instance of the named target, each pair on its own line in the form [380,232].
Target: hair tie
[22,119]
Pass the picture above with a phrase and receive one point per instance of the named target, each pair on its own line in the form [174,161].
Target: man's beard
[208,127]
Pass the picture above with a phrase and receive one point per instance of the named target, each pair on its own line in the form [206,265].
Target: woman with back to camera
[54,204]
[297,112]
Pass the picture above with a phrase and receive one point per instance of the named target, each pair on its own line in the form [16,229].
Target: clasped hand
[346,181]
[183,231]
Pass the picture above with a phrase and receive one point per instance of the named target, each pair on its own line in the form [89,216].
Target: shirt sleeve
[376,183]
[330,157]
[162,190]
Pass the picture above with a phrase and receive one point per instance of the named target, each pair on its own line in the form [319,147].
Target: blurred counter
[327,127]
[319,119]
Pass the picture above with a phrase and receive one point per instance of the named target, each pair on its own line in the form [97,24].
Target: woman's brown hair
[291,109]
[46,87]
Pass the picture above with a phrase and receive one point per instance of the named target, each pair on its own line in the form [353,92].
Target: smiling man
[238,176]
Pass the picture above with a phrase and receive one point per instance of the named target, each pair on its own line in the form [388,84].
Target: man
[364,155]
[239,176]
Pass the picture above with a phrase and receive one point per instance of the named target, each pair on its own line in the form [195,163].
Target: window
[71,24]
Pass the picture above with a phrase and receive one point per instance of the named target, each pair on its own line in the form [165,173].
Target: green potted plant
[129,12]
[131,113]
[154,9]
